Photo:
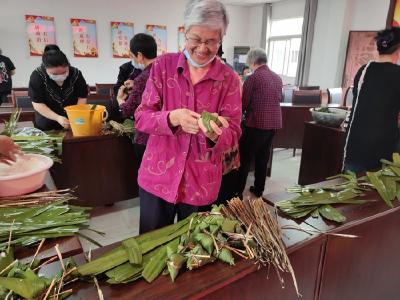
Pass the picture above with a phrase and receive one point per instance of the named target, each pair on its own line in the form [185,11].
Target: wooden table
[27,114]
[293,118]
[103,168]
[326,267]
[322,153]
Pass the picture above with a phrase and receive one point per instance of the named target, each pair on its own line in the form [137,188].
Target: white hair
[256,56]
[209,13]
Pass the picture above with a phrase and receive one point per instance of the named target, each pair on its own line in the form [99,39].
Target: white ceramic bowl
[333,118]
[24,176]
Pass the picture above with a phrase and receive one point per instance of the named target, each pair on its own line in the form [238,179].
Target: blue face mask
[193,63]
[138,66]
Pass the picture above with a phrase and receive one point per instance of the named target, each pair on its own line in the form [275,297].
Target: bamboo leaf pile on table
[33,140]
[120,129]
[191,243]
[21,280]
[38,216]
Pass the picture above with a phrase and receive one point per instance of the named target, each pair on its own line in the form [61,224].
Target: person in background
[262,93]
[181,168]
[372,133]
[246,71]
[143,49]
[127,73]
[8,150]
[53,86]
[7,69]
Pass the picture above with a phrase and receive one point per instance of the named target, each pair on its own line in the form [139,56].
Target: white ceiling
[248,2]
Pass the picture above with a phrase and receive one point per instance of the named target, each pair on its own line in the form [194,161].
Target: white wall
[103,69]
[287,9]
[334,21]
[255,26]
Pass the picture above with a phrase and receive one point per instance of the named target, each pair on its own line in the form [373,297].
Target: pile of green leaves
[191,243]
[207,118]
[48,144]
[318,201]
[387,180]
[31,224]
[21,281]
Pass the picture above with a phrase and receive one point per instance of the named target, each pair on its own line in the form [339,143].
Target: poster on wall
[121,34]
[40,32]
[361,48]
[159,32]
[84,39]
[181,38]
[393,18]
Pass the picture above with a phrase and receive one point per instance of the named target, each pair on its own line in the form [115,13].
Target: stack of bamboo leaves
[21,281]
[319,201]
[193,242]
[27,219]
[126,128]
[33,140]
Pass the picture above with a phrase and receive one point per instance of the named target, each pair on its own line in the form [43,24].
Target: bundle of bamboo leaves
[318,201]
[21,281]
[191,243]
[28,219]
[36,142]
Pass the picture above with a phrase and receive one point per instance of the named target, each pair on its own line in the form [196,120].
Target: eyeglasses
[197,42]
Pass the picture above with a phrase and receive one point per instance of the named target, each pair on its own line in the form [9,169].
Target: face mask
[138,66]
[193,63]
[58,78]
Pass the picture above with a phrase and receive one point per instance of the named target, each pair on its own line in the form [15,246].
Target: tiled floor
[121,220]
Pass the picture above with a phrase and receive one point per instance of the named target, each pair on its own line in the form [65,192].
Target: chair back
[348,97]
[21,99]
[105,89]
[309,87]
[307,97]
[335,96]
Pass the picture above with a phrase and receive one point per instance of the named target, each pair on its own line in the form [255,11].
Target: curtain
[303,67]
[266,25]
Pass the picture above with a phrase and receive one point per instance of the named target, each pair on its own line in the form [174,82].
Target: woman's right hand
[121,96]
[185,118]
[128,83]
[63,121]
[8,149]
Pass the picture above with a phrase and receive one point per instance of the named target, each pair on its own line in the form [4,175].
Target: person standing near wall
[262,93]
[373,131]
[143,49]
[7,69]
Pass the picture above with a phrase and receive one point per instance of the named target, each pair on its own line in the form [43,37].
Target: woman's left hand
[214,135]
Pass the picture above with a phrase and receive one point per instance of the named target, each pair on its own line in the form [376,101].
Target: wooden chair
[105,89]
[335,96]
[309,87]
[21,99]
[348,97]
[307,97]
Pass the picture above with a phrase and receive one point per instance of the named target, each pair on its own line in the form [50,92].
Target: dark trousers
[156,212]
[139,151]
[228,187]
[254,144]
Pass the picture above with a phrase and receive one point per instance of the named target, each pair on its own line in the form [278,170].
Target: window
[284,46]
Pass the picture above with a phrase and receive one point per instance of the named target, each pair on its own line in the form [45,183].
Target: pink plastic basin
[29,179]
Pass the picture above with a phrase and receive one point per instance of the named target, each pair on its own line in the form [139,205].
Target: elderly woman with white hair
[182,166]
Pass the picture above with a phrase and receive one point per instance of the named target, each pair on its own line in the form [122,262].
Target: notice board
[361,48]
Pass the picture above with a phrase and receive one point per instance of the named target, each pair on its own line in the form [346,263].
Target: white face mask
[195,64]
[58,78]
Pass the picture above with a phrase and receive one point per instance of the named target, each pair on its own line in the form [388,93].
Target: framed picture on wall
[159,32]
[181,38]
[393,18]
[361,48]
[84,38]
[121,34]
[40,31]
